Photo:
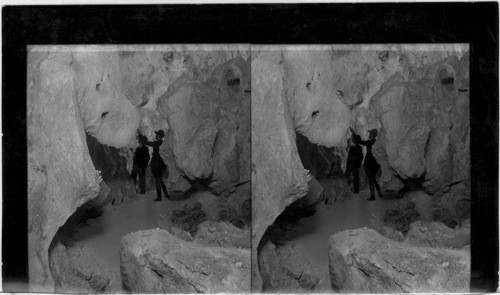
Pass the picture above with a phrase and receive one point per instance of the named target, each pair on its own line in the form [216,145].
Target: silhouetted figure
[354,160]
[371,165]
[141,160]
[158,167]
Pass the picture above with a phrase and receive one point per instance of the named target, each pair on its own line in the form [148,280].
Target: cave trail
[350,214]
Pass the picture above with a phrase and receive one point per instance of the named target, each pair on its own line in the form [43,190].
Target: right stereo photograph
[361,168]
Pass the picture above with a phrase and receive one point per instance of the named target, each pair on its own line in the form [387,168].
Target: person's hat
[160,133]
[373,132]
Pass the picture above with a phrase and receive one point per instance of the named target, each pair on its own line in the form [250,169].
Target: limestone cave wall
[199,97]
[416,96]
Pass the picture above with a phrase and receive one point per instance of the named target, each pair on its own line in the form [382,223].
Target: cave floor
[102,235]
[307,247]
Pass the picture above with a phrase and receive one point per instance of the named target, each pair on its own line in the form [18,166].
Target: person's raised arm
[150,143]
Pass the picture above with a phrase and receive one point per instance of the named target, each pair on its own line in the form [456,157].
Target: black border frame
[473,23]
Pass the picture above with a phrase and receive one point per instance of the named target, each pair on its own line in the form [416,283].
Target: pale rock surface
[222,234]
[438,235]
[154,261]
[363,261]
[315,107]
[108,92]
[278,177]
[61,176]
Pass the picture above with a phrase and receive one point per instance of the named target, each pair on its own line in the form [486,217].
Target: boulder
[222,234]
[438,235]
[288,269]
[278,177]
[155,261]
[363,261]
[181,234]
[274,276]
[190,110]
[404,131]
[72,274]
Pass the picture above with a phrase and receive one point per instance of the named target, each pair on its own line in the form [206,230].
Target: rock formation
[155,261]
[278,177]
[109,93]
[415,96]
[363,261]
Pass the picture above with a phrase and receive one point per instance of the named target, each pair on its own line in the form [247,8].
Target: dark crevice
[427,143]
[447,81]
[156,272]
[233,82]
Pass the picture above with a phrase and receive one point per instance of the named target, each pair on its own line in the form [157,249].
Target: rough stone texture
[106,112]
[363,261]
[61,176]
[181,234]
[424,204]
[154,261]
[108,92]
[274,277]
[209,128]
[75,274]
[425,126]
[438,235]
[315,107]
[222,234]
[414,95]
[210,204]
[189,217]
[404,134]
[401,216]
[190,109]
[299,265]
[278,177]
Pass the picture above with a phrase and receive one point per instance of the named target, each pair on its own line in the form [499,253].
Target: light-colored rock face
[315,107]
[110,93]
[415,96]
[107,113]
[155,261]
[420,125]
[60,172]
[278,177]
[363,261]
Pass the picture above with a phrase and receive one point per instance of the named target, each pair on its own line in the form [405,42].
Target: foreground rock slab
[155,261]
[363,261]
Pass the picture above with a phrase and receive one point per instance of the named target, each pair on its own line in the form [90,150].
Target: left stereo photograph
[139,168]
